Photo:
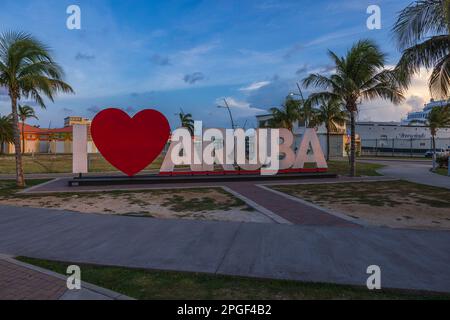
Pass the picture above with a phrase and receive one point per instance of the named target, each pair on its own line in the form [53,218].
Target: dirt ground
[201,204]
[396,204]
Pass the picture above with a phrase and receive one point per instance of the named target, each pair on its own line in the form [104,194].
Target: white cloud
[255,86]
[239,108]
[382,110]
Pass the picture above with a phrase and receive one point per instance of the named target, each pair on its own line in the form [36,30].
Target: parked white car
[439,152]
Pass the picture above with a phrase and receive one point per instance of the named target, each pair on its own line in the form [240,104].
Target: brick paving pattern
[20,283]
[293,211]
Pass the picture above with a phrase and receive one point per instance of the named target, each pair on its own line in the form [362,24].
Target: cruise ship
[420,117]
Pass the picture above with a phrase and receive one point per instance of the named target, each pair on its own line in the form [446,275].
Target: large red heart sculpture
[130,144]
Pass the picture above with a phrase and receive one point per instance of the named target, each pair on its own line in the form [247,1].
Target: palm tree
[6,131]
[439,117]
[25,112]
[360,76]
[331,114]
[286,116]
[307,113]
[422,31]
[187,121]
[28,71]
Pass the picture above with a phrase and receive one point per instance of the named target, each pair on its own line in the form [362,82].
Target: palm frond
[27,68]
[439,82]
[319,81]
[419,20]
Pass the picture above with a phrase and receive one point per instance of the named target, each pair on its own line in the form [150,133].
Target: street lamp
[300,94]
[229,112]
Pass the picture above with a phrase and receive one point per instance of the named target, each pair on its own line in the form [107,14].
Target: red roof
[58,130]
[32,129]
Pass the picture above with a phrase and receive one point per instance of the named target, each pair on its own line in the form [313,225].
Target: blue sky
[191,54]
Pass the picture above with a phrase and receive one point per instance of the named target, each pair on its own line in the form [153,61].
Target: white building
[338,138]
[409,137]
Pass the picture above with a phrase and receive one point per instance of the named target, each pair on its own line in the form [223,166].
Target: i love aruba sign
[132,143]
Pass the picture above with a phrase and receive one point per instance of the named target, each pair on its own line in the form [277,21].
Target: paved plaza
[305,242]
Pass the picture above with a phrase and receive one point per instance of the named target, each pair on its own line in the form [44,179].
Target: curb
[108,294]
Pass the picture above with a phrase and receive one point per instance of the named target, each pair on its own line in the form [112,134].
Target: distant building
[396,138]
[408,137]
[52,141]
[70,121]
[338,138]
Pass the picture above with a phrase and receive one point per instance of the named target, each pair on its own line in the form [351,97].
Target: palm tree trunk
[352,145]
[328,143]
[20,180]
[434,152]
[23,136]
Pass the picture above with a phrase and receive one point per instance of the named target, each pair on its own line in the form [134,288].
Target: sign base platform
[189,177]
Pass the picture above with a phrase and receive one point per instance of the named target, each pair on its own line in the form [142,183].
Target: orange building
[52,141]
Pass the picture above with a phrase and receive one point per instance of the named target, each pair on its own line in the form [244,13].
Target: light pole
[300,94]
[229,112]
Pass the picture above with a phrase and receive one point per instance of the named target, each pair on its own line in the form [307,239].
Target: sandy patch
[205,204]
[413,216]
[396,204]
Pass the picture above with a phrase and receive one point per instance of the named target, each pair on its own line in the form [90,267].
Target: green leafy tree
[360,76]
[27,71]
[6,132]
[307,113]
[286,116]
[439,117]
[331,114]
[186,121]
[422,32]
[25,112]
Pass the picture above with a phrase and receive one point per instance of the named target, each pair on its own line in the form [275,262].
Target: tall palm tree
[25,112]
[6,131]
[187,121]
[331,114]
[28,71]
[439,117]
[422,31]
[307,112]
[360,76]
[286,116]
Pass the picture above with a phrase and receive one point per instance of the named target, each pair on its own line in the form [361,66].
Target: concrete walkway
[408,259]
[414,171]
[22,281]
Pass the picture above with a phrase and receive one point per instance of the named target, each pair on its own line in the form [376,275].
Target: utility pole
[229,112]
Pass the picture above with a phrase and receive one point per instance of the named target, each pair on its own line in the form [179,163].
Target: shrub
[442,161]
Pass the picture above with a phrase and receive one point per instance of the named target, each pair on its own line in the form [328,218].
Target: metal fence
[401,147]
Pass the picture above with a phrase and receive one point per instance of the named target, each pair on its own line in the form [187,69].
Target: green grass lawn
[60,163]
[395,158]
[8,188]
[146,285]
[362,168]
[442,171]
